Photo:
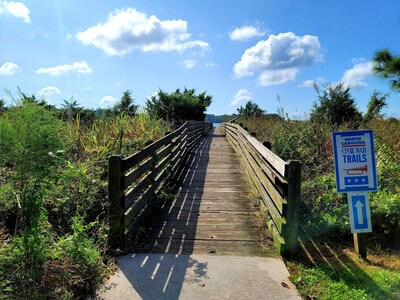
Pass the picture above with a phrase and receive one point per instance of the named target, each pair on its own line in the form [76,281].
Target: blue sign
[360,214]
[355,166]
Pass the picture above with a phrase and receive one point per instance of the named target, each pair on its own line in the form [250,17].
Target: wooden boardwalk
[211,212]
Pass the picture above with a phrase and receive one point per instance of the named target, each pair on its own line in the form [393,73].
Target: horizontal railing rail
[276,181]
[134,182]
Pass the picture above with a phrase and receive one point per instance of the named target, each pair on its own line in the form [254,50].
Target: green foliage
[71,108]
[2,106]
[78,251]
[332,281]
[324,211]
[335,106]
[29,135]
[251,110]
[375,105]
[125,105]
[178,106]
[219,118]
[53,195]
[8,201]
[387,66]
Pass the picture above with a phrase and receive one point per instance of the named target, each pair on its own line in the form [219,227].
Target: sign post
[355,171]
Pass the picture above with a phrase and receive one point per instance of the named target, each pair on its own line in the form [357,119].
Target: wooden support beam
[116,208]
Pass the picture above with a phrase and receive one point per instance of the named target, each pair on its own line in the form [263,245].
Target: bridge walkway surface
[204,243]
[211,209]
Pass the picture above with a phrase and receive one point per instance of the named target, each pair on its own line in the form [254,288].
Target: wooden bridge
[201,187]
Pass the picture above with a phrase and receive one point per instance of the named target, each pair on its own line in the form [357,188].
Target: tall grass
[324,268]
[324,212]
[53,198]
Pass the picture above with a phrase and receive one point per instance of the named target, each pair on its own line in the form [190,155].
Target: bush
[335,106]
[29,136]
[178,106]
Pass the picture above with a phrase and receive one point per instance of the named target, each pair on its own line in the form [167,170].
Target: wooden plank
[132,194]
[278,163]
[274,195]
[278,239]
[211,210]
[269,171]
[138,205]
[136,158]
[116,210]
[137,172]
[292,216]
[268,202]
[163,152]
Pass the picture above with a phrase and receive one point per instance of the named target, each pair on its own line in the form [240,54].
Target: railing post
[116,209]
[267,145]
[293,204]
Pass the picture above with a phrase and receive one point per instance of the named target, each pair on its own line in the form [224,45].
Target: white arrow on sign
[359,207]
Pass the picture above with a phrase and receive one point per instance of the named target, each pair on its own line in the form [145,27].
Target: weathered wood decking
[210,212]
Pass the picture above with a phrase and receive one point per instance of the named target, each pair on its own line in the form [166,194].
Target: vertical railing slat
[116,209]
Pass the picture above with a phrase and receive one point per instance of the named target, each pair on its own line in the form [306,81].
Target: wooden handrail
[135,181]
[276,181]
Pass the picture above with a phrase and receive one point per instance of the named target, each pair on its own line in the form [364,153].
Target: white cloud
[9,69]
[87,88]
[77,67]
[49,90]
[245,33]
[242,95]
[17,9]
[306,83]
[279,58]
[354,77]
[129,29]
[275,77]
[189,63]
[310,83]
[108,99]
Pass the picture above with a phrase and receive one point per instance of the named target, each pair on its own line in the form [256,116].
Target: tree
[72,108]
[251,110]
[125,105]
[179,106]
[375,105]
[335,106]
[387,66]
[2,106]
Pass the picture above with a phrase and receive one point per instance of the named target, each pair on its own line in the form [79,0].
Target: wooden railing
[134,182]
[276,181]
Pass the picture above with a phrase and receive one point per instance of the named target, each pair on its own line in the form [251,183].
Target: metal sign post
[355,171]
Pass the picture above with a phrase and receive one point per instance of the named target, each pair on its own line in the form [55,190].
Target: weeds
[334,273]
[53,198]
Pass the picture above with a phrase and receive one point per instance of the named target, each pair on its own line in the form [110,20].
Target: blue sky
[236,51]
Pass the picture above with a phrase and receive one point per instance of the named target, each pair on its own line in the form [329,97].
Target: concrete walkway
[173,276]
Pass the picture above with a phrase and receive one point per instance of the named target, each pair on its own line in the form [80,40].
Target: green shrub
[29,136]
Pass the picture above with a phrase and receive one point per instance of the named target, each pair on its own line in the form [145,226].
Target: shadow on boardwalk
[208,214]
[157,275]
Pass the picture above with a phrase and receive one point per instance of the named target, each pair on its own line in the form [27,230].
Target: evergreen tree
[125,105]
[251,110]
[335,106]
[375,105]
[387,66]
